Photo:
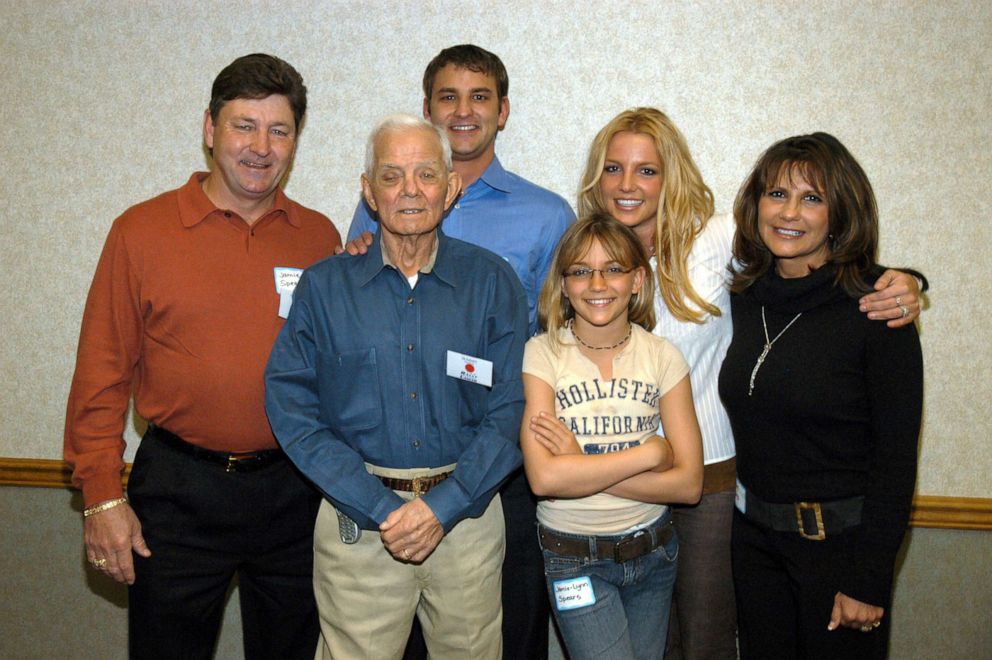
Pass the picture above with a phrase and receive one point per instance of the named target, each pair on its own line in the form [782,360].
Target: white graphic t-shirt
[605,416]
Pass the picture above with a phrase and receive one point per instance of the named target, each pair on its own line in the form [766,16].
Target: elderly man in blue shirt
[395,387]
[466,93]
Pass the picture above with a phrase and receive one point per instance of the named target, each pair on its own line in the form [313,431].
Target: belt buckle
[419,487]
[818,514]
[234,459]
[631,547]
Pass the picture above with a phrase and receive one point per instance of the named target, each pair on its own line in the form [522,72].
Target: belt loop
[593,548]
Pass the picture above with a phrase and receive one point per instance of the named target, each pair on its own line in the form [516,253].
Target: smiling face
[794,223]
[601,301]
[410,187]
[467,105]
[253,142]
[631,183]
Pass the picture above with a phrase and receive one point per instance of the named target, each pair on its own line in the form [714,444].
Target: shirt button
[409,301]
[413,395]
[416,444]
[227,214]
[409,347]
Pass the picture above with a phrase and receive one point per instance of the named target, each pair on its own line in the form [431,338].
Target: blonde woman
[640,172]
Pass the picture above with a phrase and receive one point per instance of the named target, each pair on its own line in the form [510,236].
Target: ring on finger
[867,628]
[99,563]
[876,624]
[899,301]
[905,311]
[406,553]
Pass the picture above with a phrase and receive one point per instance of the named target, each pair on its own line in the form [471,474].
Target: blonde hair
[686,205]
[554,311]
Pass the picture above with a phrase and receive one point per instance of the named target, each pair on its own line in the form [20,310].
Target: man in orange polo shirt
[188,297]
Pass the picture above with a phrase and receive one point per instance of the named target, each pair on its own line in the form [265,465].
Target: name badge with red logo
[472,369]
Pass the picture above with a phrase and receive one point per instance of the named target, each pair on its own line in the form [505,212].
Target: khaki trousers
[367,599]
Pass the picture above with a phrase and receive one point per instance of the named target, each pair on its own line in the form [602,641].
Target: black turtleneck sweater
[835,412]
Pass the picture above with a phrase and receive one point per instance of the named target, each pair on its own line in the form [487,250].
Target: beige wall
[102,107]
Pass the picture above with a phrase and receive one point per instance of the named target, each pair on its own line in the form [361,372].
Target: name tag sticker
[472,369]
[574,593]
[286,281]
[740,497]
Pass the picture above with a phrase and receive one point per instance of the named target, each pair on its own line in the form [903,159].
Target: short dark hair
[829,167]
[257,76]
[473,58]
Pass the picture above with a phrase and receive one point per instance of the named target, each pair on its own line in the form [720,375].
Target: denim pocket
[558,566]
[349,390]
[669,551]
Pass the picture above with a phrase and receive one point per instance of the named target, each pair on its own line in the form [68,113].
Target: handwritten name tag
[574,593]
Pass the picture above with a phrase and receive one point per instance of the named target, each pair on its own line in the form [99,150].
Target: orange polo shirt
[183,312]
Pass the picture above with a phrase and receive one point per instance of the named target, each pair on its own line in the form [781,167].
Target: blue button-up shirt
[358,374]
[505,214]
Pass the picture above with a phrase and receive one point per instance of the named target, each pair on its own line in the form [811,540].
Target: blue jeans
[629,618]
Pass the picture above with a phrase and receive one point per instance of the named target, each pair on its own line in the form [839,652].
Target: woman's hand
[896,299]
[667,460]
[852,613]
[553,435]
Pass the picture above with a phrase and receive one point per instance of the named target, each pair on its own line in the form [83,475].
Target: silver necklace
[768,347]
[571,327]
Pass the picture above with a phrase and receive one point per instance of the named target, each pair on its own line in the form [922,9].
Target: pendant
[757,365]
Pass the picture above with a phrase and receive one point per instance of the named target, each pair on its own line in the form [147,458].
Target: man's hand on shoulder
[110,536]
[356,246]
[411,532]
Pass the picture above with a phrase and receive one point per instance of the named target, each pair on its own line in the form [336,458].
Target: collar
[495,177]
[195,206]
[376,259]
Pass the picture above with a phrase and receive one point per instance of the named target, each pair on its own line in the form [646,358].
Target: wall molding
[928,510]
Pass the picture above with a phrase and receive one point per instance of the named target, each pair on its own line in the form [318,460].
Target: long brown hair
[829,167]
[685,206]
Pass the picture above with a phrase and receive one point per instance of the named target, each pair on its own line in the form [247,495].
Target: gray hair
[404,122]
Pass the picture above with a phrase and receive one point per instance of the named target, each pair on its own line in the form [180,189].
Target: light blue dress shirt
[358,374]
[505,214]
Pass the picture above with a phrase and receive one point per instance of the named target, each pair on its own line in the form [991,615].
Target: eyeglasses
[582,273]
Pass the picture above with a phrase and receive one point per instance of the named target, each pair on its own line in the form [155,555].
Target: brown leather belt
[624,548]
[720,477]
[418,485]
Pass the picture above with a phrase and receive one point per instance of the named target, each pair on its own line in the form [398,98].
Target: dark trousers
[785,593]
[704,615]
[526,610]
[204,526]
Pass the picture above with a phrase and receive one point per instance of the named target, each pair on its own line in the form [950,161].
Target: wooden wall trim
[928,510]
[39,473]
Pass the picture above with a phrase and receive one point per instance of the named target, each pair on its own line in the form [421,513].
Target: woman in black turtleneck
[825,407]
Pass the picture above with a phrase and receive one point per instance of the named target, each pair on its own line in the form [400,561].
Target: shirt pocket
[464,403]
[349,390]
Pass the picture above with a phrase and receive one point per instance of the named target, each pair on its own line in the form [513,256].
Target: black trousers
[204,526]
[785,593]
[526,610]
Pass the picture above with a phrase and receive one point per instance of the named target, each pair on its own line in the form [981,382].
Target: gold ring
[867,628]
[876,624]
[99,563]
[406,553]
